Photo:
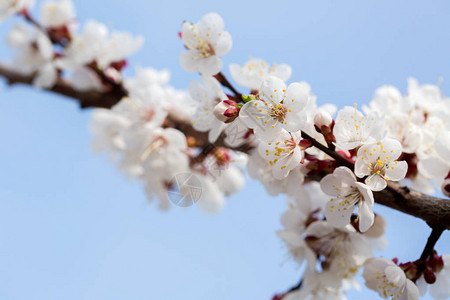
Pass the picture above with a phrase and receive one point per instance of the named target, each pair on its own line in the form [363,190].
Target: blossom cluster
[276,130]
[136,133]
[330,226]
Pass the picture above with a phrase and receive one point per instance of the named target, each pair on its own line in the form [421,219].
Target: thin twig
[340,159]
[224,81]
[431,242]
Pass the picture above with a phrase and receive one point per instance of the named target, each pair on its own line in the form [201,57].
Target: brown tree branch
[434,211]
[342,161]
[62,87]
[431,242]
[224,81]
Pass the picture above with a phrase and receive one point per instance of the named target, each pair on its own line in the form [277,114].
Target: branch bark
[434,211]
[62,87]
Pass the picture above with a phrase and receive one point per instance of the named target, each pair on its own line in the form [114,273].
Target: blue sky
[72,227]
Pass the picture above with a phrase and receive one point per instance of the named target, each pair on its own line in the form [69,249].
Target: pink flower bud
[322,118]
[429,275]
[324,124]
[226,111]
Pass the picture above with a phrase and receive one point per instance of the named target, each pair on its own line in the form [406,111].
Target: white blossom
[206,43]
[387,99]
[106,128]
[35,55]
[348,192]
[259,168]
[353,129]
[278,107]
[179,103]
[212,199]
[343,250]
[96,44]
[294,221]
[221,176]
[437,165]
[253,72]
[426,99]
[85,79]
[56,14]
[207,97]
[379,162]
[388,280]
[323,285]
[401,128]
[159,152]
[85,46]
[142,110]
[283,153]
[11,7]
[118,47]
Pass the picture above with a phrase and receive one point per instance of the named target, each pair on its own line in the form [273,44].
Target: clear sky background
[72,227]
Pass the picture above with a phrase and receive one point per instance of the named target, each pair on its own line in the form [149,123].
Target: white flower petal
[396,171]
[297,96]
[411,291]
[223,44]
[433,167]
[210,65]
[295,121]
[331,185]
[366,217]
[345,174]
[442,144]
[338,213]
[188,60]
[376,183]
[272,90]
[366,192]
[284,165]
[391,149]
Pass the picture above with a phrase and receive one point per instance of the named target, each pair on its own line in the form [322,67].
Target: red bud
[429,275]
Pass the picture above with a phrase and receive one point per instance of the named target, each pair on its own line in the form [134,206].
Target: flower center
[378,167]
[352,198]
[389,288]
[278,112]
[203,46]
